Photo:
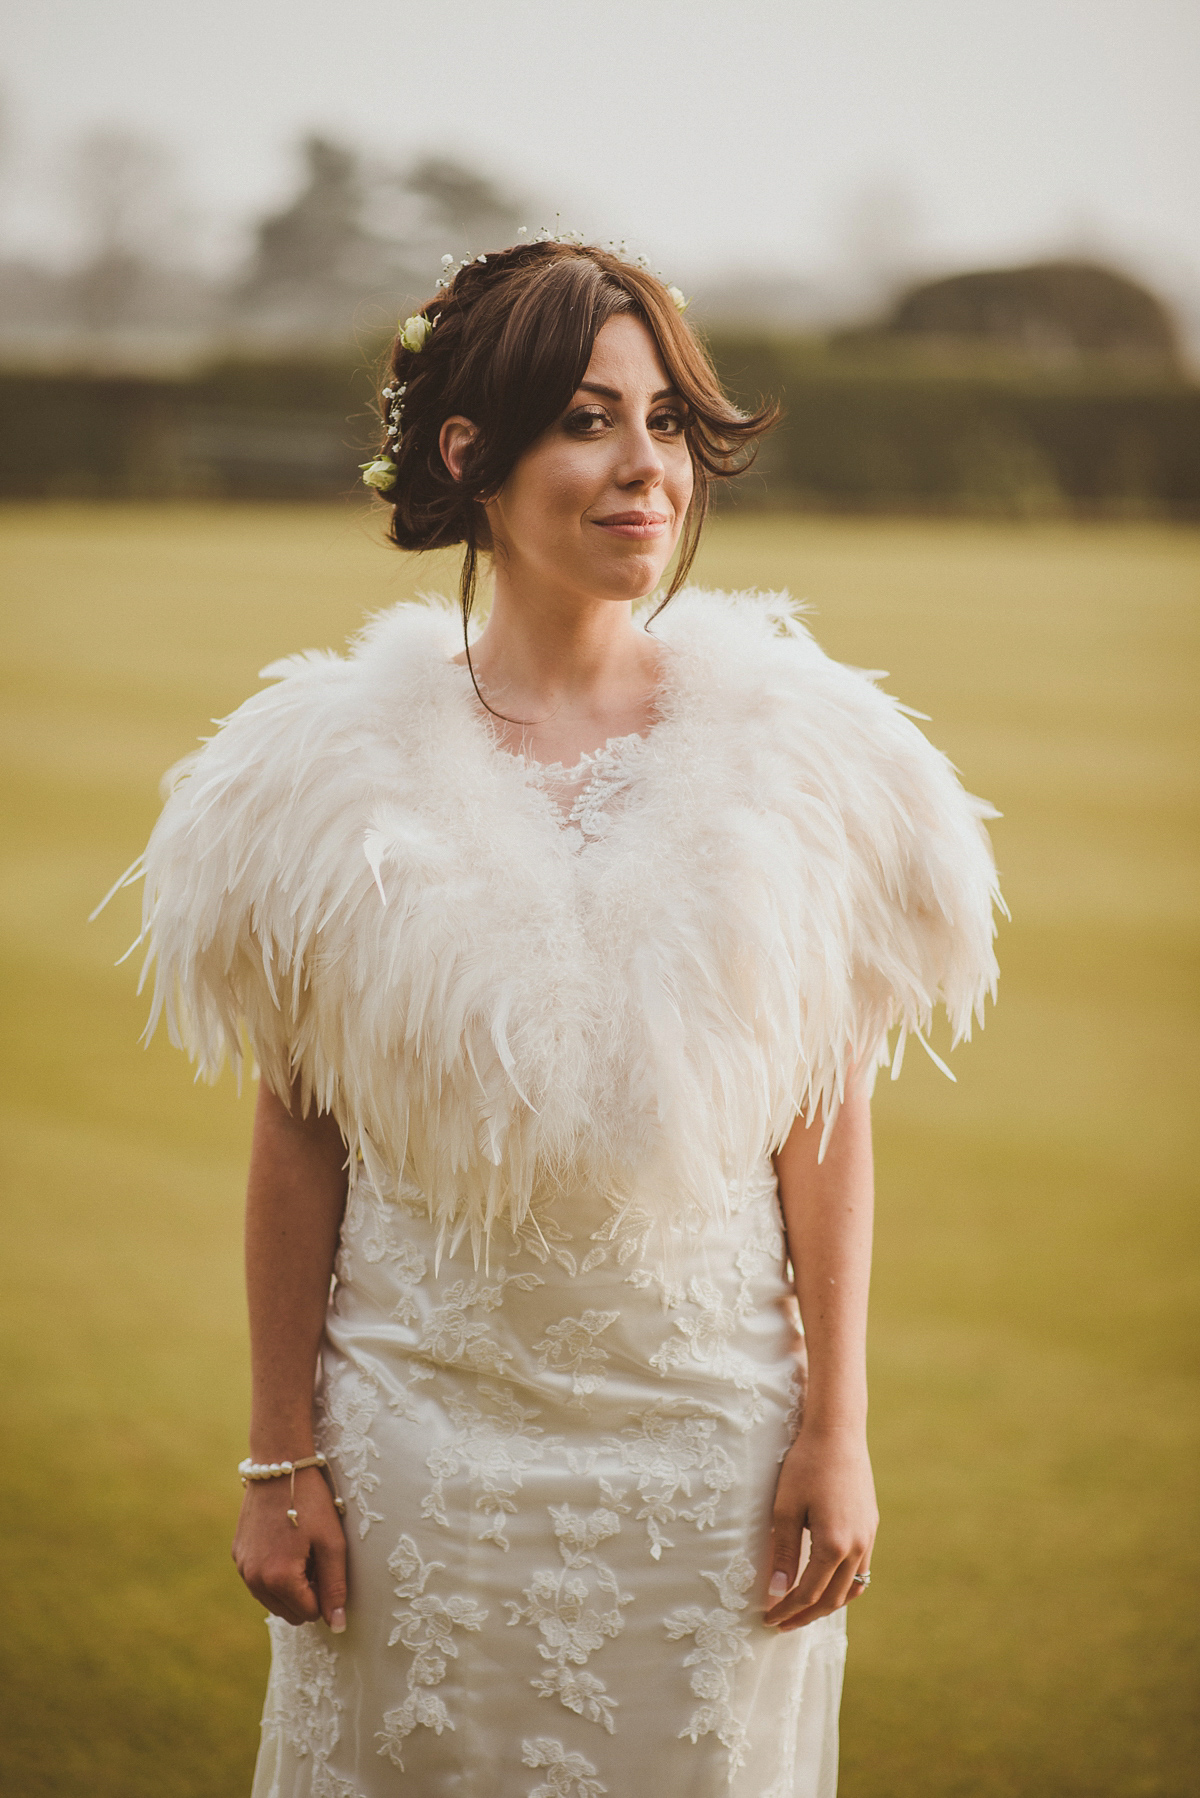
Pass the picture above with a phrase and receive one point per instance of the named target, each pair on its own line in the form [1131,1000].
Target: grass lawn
[1032,1628]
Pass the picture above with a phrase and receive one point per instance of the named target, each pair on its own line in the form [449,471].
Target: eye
[668,421]
[587,421]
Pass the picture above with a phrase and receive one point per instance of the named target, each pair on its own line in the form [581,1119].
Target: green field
[1032,1627]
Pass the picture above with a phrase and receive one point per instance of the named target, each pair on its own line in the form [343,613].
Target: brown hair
[512,338]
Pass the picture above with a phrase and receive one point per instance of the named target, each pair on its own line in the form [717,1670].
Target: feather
[354,873]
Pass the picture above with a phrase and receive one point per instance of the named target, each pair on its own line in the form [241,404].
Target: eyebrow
[613,393]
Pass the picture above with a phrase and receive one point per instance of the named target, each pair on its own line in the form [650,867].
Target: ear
[454,440]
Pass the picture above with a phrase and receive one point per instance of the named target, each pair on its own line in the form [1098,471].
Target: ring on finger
[861,1579]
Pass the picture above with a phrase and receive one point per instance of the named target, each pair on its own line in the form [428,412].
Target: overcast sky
[710,132]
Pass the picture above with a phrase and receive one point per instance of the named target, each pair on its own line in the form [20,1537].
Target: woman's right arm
[294,1203]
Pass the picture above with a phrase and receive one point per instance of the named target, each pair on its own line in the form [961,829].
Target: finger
[278,1609]
[787,1535]
[287,1590]
[823,1563]
[273,1601]
[835,1594]
[846,1585]
[862,1572]
[329,1558]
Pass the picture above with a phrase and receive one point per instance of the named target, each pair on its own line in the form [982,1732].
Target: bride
[568,952]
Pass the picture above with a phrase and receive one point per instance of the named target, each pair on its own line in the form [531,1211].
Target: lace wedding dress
[562,1016]
[558,1474]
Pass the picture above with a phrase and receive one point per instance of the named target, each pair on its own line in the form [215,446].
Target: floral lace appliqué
[585,794]
[762,1252]
[626,1234]
[575,1610]
[493,1451]
[302,1703]
[545,1239]
[665,1454]
[369,1224]
[425,1626]
[570,1347]
[704,1338]
[349,1404]
[721,1641]
[569,1775]
[451,1338]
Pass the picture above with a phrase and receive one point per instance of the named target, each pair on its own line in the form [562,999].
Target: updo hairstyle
[513,335]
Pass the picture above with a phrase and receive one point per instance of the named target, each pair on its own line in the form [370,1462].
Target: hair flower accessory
[379,474]
[415,332]
[395,411]
[677,296]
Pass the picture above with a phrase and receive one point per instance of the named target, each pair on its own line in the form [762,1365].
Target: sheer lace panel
[586,794]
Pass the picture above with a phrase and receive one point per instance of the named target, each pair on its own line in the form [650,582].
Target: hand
[299,1574]
[825,1487]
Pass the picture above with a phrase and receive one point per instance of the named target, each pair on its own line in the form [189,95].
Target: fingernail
[337,1621]
[778,1585]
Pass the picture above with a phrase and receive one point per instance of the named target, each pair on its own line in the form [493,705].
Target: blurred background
[965,248]
[962,245]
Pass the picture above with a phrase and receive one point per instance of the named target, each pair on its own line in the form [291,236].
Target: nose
[641,461]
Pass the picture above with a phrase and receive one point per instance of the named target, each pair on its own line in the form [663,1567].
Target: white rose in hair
[414,333]
[380,474]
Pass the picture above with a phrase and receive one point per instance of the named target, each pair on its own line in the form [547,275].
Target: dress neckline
[611,750]
[582,797]
[603,775]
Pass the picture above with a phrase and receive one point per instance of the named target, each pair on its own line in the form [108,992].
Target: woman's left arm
[825,1483]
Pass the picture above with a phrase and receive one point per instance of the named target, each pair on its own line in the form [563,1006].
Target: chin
[633,581]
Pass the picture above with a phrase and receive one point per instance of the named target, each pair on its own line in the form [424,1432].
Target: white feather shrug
[355,872]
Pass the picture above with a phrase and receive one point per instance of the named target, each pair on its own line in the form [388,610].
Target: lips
[634,524]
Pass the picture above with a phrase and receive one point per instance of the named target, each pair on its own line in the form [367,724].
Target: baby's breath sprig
[621,250]
[395,407]
[450,267]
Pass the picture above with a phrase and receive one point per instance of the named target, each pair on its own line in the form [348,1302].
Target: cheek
[553,488]
[681,484]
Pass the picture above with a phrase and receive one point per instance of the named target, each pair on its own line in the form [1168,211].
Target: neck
[573,670]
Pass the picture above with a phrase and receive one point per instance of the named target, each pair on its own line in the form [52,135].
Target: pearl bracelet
[278,1470]
[274,1470]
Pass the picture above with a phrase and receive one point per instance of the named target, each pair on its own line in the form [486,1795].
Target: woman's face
[596,505]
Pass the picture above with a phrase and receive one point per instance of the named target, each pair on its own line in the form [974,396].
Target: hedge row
[879,432]
[252,430]
[860,433]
